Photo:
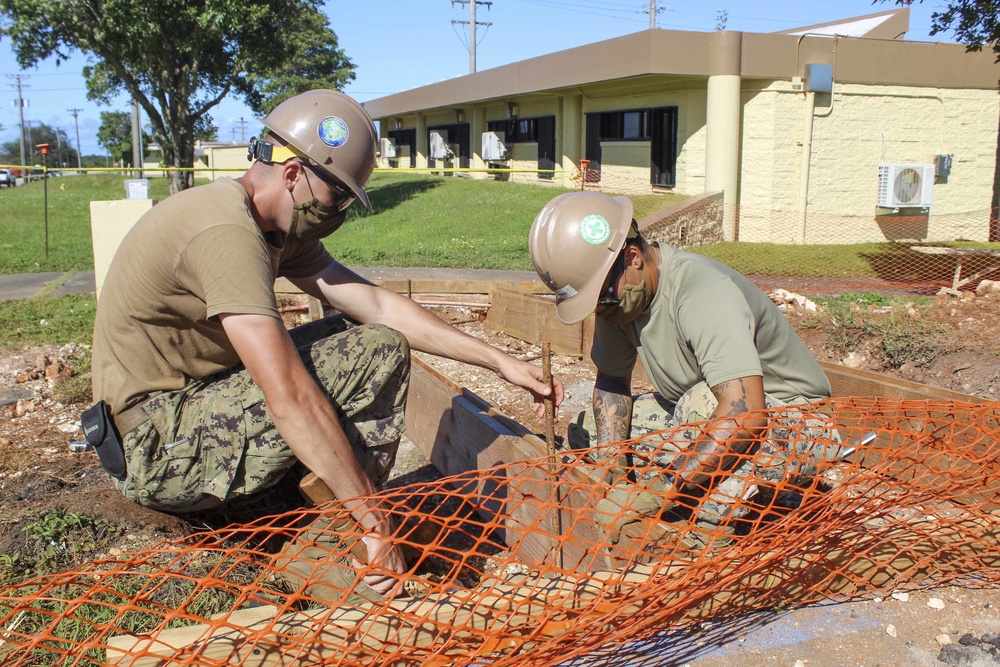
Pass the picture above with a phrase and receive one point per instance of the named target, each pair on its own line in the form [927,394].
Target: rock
[12,396]
[902,596]
[992,638]
[41,361]
[935,603]
[957,655]
[24,376]
[988,287]
[23,407]
[891,630]
[53,370]
[854,360]
[943,640]
[968,640]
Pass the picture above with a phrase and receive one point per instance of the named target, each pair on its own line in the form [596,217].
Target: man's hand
[387,559]
[531,378]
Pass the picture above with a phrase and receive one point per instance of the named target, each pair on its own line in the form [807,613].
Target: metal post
[44,148]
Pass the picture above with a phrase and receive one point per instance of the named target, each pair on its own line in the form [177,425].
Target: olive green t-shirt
[709,323]
[192,257]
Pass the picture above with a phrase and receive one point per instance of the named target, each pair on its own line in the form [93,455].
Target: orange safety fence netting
[539,561]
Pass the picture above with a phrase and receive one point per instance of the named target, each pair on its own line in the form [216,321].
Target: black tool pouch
[99,429]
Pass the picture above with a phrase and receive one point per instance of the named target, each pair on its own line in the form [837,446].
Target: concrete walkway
[29,285]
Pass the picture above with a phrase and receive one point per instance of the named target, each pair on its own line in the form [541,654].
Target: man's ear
[291,171]
[633,256]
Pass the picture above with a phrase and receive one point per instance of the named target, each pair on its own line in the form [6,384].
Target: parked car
[7,178]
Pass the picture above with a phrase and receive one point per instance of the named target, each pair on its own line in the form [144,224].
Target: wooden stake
[550,410]
[550,442]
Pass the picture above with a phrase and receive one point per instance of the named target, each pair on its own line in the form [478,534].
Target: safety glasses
[608,297]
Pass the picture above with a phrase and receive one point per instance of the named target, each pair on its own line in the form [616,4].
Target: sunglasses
[344,196]
[617,269]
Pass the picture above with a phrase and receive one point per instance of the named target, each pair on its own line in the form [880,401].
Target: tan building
[843,119]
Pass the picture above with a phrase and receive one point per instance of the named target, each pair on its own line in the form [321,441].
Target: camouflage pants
[214,441]
[795,447]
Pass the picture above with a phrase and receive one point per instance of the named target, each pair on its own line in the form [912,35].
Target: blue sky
[403,44]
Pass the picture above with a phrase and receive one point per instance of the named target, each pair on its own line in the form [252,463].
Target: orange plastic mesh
[539,561]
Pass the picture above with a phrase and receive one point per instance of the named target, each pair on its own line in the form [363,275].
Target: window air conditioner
[386,148]
[493,147]
[439,146]
[905,185]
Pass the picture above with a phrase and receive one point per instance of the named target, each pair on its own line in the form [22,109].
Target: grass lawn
[449,222]
[425,220]
[22,221]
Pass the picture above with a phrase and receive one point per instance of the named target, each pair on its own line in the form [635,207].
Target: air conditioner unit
[905,185]
[386,148]
[493,147]
[439,146]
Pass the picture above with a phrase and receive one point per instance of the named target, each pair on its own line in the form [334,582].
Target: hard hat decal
[595,229]
[333,132]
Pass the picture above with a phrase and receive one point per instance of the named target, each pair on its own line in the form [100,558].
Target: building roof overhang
[683,54]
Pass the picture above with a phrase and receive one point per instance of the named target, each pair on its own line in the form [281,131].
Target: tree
[179,59]
[115,135]
[974,23]
[60,150]
[205,129]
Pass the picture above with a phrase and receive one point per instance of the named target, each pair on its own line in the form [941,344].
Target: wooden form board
[533,317]
[429,286]
[461,433]
[853,382]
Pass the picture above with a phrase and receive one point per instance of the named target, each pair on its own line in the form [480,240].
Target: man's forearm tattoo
[613,416]
[737,404]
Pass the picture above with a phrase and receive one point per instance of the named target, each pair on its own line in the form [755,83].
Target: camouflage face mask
[313,220]
[633,302]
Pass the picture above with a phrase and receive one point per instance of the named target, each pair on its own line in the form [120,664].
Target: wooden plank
[853,382]
[533,318]
[428,286]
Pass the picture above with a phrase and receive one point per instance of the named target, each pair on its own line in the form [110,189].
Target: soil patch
[949,343]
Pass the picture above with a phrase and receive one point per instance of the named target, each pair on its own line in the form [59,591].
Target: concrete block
[109,222]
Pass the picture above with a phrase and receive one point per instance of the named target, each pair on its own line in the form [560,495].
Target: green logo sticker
[595,229]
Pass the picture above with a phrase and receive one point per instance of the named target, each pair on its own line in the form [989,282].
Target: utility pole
[243,129]
[21,102]
[79,149]
[473,24]
[653,11]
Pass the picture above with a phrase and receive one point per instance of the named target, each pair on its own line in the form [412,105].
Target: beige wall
[910,124]
[226,161]
[110,221]
[690,100]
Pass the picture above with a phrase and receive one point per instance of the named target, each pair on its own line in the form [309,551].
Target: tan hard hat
[333,131]
[573,242]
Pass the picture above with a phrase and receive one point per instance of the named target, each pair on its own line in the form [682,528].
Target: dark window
[625,125]
[516,130]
